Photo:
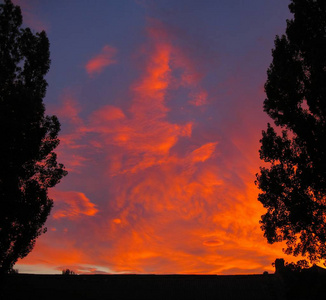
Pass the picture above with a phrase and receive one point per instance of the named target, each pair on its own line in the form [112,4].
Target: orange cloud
[173,198]
[71,205]
[68,113]
[203,153]
[175,209]
[146,136]
[101,61]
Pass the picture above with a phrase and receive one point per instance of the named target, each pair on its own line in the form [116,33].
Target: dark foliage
[28,165]
[299,266]
[285,267]
[13,271]
[293,187]
[68,272]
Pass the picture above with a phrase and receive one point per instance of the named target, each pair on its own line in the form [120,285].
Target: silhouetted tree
[293,185]
[28,165]
[68,272]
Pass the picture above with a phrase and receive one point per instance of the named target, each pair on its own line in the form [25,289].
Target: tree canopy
[28,165]
[293,182]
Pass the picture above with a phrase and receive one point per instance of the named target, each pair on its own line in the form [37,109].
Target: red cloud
[101,61]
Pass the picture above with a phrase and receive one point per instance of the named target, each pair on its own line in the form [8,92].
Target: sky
[160,104]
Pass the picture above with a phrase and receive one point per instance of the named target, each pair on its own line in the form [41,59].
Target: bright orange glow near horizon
[161,161]
[179,212]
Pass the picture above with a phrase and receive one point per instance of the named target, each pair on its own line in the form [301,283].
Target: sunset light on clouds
[101,61]
[160,104]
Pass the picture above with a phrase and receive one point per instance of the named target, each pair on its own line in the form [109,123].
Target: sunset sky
[160,103]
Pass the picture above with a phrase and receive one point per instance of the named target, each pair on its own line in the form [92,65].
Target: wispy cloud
[172,196]
[71,205]
[102,60]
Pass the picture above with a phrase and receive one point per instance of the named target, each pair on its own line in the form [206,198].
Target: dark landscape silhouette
[292,180]
[285,284]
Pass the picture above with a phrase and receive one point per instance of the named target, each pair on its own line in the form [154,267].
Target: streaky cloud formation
[162,150]
[102,60]
[71,204]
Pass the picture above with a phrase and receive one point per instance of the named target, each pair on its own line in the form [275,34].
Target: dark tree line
[293,186]
[28,165]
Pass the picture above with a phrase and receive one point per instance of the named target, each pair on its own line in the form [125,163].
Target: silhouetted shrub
[68,272]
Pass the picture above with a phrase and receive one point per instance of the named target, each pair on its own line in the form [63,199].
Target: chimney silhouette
[279,265]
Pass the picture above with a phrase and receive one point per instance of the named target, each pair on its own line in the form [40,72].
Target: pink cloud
[69,109]
[102,60]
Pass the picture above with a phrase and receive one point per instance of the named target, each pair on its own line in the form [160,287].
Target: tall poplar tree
[28,165]
[293,185]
